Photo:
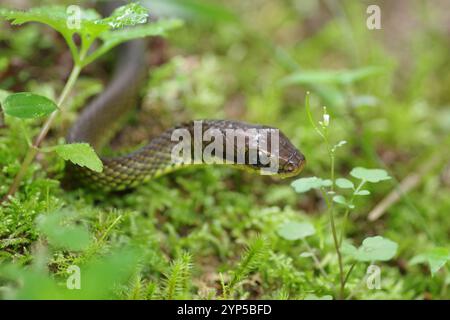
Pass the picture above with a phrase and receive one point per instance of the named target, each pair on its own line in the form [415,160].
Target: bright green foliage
[392,121]
[62,233]
[91,26]
[305,184]
[436,258]
[325,76]
[128,15]
[26,105]
[372,249]
[254,256]
[344,183]
[178,277]
[80,154]
[296,230]
[341,200]
[370,175]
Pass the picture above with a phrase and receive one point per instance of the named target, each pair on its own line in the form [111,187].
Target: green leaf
[306,184]
[3,95]
[370,175]
[348,249]
[197,10]
[339,144]
[372,249]
[57,17]
[127,15]
[341,200]
[330,76]
[62,234]
[296,230]
[80,154]
[362,193]
[116,37]
[344,183]
[436,258]
[158,28]
[26,105]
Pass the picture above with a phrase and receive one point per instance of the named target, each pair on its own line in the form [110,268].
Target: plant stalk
[34,148]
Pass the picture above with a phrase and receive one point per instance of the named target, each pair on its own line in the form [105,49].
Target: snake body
[100,118]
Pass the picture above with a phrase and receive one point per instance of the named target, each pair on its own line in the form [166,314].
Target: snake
[101,118]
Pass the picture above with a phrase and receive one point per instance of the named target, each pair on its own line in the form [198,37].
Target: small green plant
[177,279]
[125,23]
[250,261]
[339,200]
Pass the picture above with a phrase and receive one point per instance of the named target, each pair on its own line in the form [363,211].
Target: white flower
[326,119]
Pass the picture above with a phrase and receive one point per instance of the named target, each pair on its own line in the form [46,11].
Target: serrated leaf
[57,17]
[26,105]
[80,154]
[127,15]
[306,184]
[344,183]
[158,28]
[370,175]
[373,249]
[296,230]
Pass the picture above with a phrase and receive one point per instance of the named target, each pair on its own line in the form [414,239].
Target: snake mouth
[294,171]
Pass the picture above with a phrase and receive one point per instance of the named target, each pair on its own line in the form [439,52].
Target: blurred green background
[387,92]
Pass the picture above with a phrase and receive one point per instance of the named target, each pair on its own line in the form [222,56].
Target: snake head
[290,160]
[285,160]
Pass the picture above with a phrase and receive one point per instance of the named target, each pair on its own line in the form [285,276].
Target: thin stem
[347,276]
[315,259]
[347,212]
[338,252]
[33,149]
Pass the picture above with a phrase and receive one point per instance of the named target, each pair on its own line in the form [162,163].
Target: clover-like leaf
[26,105]
[296,230]
[344,183]
[341,200]
[372,249]
[362,193]
[305,184]
[436,258]
[370,175]
[80,154]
